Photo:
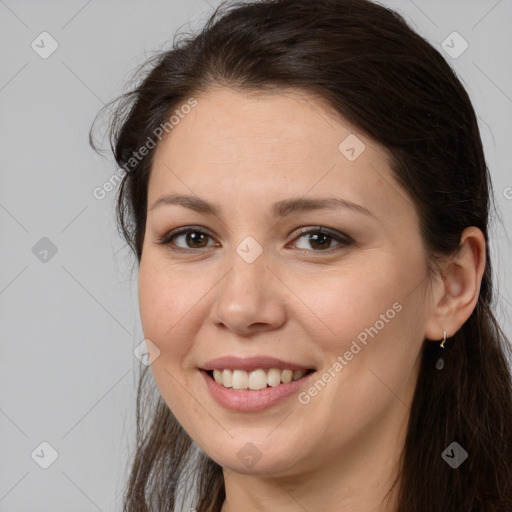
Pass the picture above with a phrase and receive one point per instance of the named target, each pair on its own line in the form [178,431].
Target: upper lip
[251,363]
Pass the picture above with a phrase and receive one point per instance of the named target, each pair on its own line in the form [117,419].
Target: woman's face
[349,304]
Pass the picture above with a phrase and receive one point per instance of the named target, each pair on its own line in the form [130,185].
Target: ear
[455,292]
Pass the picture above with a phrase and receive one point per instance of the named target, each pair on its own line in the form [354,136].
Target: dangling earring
[440,361]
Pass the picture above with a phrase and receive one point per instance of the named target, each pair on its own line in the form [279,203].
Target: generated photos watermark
[144,149]
[343,360]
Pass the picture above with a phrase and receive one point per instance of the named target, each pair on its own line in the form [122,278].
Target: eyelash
[344,240]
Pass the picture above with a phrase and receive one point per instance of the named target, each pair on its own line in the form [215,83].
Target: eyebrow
[280,209]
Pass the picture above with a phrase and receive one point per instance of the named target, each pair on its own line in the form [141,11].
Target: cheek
[165,296]
[368,323]
[167,301]
[369,330]
[343,303]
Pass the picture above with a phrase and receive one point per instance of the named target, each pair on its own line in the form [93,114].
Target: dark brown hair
[390,83]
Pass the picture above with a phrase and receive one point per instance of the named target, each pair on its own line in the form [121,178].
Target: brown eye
[196,239]
[192,239]
[320,239]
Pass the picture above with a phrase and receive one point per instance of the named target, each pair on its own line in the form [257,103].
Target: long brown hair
[389,82]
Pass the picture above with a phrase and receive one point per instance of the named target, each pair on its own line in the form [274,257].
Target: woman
[307,197]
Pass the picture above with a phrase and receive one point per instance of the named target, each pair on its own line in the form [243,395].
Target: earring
[440,361]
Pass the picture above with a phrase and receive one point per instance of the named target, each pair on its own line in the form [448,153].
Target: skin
[296,301]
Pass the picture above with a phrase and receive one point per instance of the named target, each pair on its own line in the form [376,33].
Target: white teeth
[274,377]
[240,379]
[217,375]
[286,376]
[257,379]
[227,378]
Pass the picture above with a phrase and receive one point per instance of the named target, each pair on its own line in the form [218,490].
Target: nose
[250,298]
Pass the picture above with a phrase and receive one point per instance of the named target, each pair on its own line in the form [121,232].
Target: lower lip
[253,400]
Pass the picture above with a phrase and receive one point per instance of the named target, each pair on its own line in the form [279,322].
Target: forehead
[290,123]
[262,147]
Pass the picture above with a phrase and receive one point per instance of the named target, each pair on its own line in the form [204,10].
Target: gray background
[69,323]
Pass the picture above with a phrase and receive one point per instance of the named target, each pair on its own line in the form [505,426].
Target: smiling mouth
[256,379]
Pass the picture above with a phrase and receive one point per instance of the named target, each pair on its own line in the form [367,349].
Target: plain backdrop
[68,300]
